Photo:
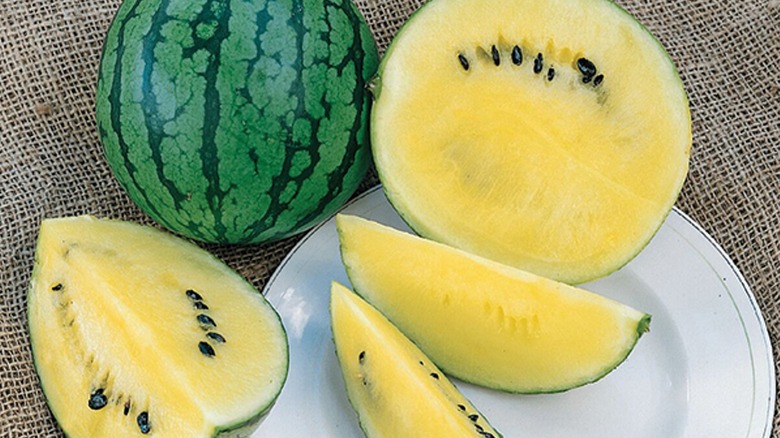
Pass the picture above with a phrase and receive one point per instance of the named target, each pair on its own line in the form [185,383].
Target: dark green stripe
[335,177]
[283,178]
[114,100]
[151,113]
[360,101]
[211,114]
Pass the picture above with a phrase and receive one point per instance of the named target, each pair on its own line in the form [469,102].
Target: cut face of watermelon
[549,135]
[394,387]
[484,322]
[135,331]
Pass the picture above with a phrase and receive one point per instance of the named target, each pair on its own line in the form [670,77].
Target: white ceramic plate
[704,370]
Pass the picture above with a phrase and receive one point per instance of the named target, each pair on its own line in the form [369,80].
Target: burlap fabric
[51,164]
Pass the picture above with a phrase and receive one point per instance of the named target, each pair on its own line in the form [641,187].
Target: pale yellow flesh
[484,322]
[389,380]
[565,179]
[122,321]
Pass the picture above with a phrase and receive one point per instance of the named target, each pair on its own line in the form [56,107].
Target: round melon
[553,136]
[137,332]
[236,121]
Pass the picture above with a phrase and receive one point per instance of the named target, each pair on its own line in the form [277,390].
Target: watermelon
[550,135]
[137,332]
[236,121]
[394,387]
[484,322]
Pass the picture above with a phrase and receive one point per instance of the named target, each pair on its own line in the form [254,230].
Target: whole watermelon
[236,121]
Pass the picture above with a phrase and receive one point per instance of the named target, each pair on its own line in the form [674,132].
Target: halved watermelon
[549,135]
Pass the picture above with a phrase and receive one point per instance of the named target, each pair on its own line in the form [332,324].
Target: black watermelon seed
[479,428]
[127,408]
[550,73]
[216,336]
[361,356]
[538,63]
[461,407]
[586,67]
[488,435]
[206,320]
[496,57]
[517,56]
[97,400]
[422,363]
[598,79]
[463,61]
[194,296]
[474,417]
[143,422]
[57,287]
[200,305]
[206,349]
[435,376]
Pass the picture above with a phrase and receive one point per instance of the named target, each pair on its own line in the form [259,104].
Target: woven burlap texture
[51,163]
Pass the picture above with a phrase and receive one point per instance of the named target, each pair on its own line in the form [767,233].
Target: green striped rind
[236,121]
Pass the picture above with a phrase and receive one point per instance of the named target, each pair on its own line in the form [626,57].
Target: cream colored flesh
[108,312]
[393,386]
[484,322]
[541,171]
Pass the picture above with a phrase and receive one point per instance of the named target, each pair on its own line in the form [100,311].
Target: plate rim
[758,315]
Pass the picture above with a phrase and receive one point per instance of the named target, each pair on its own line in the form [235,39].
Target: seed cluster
[361,361]
[482,431]
[588,70]
[99,400]
[66,316]
[361,357]
[585,67]
[206,323]
[473,417]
